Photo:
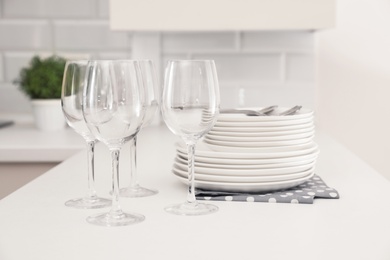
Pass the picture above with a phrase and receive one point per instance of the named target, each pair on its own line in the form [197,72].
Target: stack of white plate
[253,153]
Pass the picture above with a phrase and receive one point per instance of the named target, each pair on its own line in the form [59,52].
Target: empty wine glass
[71,100]
[152,101]
[190,105]
[114,110]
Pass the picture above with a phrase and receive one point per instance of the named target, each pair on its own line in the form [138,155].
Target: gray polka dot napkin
[305,193]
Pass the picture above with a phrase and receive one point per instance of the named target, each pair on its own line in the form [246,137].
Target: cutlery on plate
[290,111]
[261,112]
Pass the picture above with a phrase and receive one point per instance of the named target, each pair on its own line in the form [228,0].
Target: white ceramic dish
[217,137]
[251,150]
[242,179]
[245,172]
[264,124]
[302,113]
[256,129]
[259,144]
[245,166]
[230,161]
[204,150]
[248,187]
[262,133]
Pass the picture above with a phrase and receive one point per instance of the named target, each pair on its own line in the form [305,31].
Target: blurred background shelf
[26,153]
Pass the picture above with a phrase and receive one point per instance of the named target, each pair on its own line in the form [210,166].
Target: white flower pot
[48,115]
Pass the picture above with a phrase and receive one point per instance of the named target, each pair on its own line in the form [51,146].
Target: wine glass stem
[133,161]
[115,208]
[191,174]
[91,169]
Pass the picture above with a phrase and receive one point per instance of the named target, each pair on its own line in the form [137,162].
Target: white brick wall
[254,68]
[88,35]
[25,34]
[189,42]
[278,40]
[300,67]
[103,9]
[71,28]
[49,8]
[14,61]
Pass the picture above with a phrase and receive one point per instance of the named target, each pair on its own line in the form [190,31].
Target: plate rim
[247,172]
[256,129]
[302,113]
[257,154]
[284,137]
[258,144]
[264,124]
[250,166]
[257,161]
[253,187]
[261,133]
[246,179]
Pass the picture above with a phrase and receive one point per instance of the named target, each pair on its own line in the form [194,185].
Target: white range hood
[221,15]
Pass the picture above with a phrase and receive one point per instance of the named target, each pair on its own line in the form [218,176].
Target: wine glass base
[191,209]
[88,203]
[115,220]
[137,192]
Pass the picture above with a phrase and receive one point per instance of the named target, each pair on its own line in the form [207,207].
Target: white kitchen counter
[35,224]
[22,142]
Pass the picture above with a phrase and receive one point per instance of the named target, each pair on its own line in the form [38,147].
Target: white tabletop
[35,224]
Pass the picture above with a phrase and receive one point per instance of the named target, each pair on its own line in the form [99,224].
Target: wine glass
[71,101]
[152,101]
[190,106]
[114,109]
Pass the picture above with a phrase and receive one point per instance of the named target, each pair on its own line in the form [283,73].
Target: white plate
[246,166]
[252,150]
[245,172]
[204,150]
[247,187]
[262,134]
[217,137]
[229,161]
[266,123]
[259,144]
[242,179]
[256,129]
[302,113]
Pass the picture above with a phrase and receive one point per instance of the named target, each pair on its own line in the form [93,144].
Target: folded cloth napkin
[305,193]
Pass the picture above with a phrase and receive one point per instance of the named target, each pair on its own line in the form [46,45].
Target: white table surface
[35,224]
[22,142]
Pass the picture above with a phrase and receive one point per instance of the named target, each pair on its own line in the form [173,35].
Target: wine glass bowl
[114,109]
[190,106]
[71,101]
[114,101]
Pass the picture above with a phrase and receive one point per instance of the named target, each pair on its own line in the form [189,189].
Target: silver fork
[290,111]
[261,112]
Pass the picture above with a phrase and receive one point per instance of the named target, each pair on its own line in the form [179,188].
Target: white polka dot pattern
[272,200]
[301,194]
[228,198]
[250,199]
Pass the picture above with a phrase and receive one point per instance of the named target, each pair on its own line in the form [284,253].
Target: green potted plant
[42,82]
